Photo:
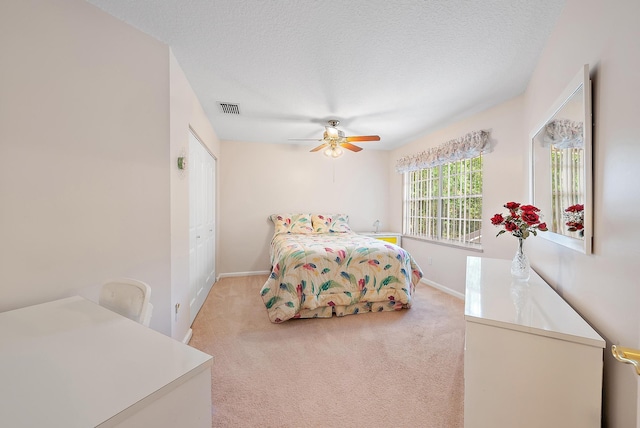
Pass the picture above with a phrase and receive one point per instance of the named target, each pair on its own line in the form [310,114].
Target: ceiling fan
[333,139]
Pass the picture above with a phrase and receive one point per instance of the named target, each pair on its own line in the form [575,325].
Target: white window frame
[423,194]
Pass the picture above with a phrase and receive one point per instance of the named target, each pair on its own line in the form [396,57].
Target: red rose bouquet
[521,221]
[574,218]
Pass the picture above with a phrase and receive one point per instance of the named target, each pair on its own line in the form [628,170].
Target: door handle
[627,355]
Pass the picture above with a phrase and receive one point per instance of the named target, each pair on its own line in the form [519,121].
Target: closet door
[201,224]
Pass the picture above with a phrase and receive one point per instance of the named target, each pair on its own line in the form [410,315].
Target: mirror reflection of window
[562,138]
[567,190]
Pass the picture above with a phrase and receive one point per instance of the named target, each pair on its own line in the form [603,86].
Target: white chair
[129,298]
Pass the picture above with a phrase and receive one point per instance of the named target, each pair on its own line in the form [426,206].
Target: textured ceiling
[399,69]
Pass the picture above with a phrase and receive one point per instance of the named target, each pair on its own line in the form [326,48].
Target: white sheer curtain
[466,147]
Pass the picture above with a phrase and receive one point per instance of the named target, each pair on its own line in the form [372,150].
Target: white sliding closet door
[202,196]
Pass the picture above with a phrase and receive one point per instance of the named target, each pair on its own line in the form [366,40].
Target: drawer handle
[627,355]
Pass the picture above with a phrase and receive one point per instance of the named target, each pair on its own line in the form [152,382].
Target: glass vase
[520,269]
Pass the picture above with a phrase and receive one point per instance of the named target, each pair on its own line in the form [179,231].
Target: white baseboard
[187,337]
[251,273]
[442,288]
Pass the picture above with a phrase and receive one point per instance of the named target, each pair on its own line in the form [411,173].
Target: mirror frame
[580,82]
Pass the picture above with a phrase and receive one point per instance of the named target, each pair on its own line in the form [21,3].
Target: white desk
[71,363]
[530,360]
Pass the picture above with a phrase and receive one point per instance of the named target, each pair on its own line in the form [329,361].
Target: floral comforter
[316,275]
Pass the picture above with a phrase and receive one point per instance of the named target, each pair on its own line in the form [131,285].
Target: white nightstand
[394,238]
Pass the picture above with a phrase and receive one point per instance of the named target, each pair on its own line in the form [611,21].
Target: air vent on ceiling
[229,108]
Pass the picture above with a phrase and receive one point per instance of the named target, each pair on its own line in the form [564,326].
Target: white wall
[83,134]
[602,286]
[503,181]
[186,112]
[262,179]
[93,114]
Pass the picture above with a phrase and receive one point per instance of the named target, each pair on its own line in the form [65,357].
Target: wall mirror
[560,171]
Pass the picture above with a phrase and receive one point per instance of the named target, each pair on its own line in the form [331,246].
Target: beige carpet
[385,369]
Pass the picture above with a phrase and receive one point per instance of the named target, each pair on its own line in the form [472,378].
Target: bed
[320,268]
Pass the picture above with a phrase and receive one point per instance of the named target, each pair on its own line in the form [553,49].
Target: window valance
[564,134]
[466,147]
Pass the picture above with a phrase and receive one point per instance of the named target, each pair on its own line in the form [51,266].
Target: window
[444,202]
[567,187]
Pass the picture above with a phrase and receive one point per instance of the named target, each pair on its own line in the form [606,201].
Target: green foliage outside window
[445,202]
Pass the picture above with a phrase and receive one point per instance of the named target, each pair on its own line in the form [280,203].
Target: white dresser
[530,360]
[71,363]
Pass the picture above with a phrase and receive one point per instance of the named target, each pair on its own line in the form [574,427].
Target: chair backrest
[128,297]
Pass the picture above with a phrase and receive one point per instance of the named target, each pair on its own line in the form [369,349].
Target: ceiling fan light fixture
[333,152]
[333,138]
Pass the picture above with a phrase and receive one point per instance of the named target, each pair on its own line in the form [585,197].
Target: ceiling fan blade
[363,138]
[320,147]
[305,139]
[351,147]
